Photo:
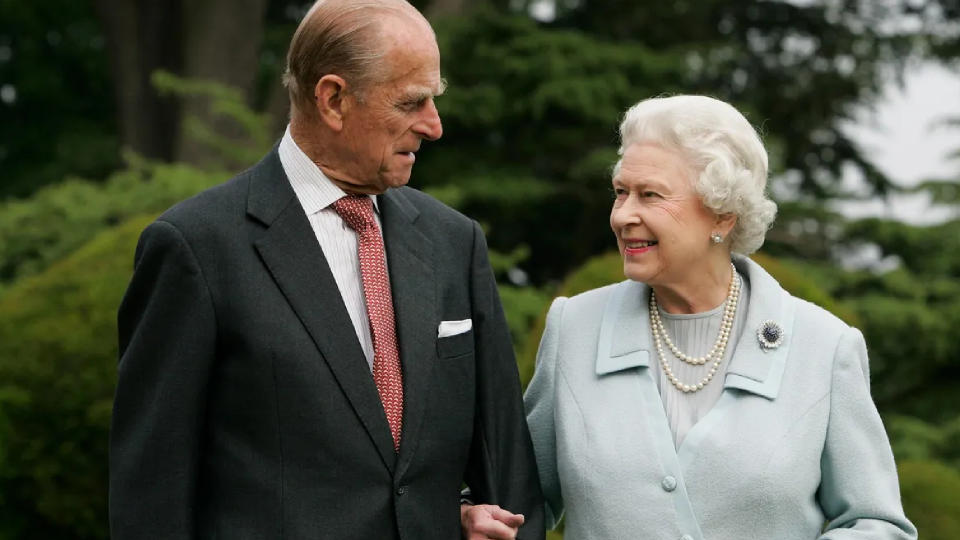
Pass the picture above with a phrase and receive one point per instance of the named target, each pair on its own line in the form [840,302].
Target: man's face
[383,131]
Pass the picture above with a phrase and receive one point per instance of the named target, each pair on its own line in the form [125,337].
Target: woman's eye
[618,192]
[650,194]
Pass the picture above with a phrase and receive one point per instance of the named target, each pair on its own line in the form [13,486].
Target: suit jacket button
[401,490]
[669,483]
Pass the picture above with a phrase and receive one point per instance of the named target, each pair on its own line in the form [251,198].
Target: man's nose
[430,127]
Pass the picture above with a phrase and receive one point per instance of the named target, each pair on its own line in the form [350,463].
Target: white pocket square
[452,328]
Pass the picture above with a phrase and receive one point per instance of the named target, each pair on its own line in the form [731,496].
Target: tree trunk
[216,40]
[142,36]
[221,43]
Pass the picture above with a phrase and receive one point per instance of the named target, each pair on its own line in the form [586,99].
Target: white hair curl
[724,150]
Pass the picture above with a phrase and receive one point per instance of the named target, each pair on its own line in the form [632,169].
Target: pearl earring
[716,237]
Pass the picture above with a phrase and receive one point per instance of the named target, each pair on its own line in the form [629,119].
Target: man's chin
[396,181]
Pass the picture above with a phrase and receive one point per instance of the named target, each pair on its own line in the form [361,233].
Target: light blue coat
[793,442]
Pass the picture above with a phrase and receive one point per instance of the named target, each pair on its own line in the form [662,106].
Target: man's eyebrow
[425,92]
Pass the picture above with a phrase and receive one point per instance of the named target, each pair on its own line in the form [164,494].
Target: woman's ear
[725,224]
[330,100]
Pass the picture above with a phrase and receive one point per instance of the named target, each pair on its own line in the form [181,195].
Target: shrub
[58,350]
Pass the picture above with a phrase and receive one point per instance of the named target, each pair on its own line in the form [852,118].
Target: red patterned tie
[357,212]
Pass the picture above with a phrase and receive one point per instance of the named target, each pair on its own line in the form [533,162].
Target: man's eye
[412,105]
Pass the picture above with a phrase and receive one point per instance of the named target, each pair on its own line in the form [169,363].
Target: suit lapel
[412,282]
[292,255]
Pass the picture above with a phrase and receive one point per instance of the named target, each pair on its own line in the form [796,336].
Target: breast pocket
[455,346]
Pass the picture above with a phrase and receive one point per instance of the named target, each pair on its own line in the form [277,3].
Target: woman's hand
[488,522]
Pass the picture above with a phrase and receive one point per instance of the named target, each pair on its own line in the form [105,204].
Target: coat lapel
[625,339]
[752,368]
[292,255]
[412,282]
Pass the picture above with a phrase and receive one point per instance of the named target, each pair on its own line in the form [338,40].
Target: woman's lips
[636,247]
[637,250]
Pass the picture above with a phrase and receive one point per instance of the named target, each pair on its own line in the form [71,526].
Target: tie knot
[357,211]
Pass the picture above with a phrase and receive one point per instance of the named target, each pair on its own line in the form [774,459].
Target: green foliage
[924,250]
[60,121]
[945,192]
[916,440]
[797,281]
[530,131]
[250,135]
[929,492]
[58,219]
[58,349]
[523,306]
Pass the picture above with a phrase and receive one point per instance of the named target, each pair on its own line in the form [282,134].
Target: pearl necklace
[716,352]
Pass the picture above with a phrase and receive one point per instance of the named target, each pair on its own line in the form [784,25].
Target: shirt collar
[314,190]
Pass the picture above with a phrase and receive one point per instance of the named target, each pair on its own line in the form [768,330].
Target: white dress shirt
[338,241]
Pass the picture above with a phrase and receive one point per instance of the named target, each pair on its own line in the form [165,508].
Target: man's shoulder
[223,203]
[429,205]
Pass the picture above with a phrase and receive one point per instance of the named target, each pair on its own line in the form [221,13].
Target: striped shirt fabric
[338,241]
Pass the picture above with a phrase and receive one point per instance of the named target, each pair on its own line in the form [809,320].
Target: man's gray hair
[722,148]
[339,37]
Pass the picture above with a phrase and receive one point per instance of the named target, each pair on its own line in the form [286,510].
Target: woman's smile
[636,247]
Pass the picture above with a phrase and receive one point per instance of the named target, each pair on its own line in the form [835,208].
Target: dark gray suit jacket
[245,407]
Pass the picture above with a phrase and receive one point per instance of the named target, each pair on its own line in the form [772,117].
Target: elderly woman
[698,399]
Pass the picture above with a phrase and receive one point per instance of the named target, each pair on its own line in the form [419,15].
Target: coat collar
[626,340]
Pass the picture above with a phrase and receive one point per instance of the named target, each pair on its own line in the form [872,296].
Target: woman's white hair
[723,149]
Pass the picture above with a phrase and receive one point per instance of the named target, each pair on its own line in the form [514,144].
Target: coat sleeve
[167,334]
[859,492]
[539,403]
[501,468]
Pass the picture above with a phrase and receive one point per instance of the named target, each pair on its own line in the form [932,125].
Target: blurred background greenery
[115,109]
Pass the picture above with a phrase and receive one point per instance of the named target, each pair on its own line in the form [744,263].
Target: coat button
[401,490]
[686,537]
[669,483]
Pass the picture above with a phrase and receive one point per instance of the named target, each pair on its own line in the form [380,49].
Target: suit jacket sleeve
[859,492]
[501,469]
[540,404]
[167,337]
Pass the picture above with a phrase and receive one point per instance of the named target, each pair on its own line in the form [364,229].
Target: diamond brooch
[770,335]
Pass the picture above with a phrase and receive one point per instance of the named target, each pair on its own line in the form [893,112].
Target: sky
[900,135]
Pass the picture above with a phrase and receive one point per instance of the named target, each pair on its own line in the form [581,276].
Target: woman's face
[662,227]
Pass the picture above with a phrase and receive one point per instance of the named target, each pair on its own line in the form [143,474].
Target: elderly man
[312,350]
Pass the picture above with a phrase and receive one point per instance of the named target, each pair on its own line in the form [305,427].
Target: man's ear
[330,97]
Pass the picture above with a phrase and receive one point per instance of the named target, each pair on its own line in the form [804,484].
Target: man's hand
[488,522]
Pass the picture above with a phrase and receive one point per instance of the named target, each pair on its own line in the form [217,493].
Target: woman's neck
[708,290]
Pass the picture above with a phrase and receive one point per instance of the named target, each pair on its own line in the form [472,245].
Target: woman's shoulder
[813,318]
[587,304]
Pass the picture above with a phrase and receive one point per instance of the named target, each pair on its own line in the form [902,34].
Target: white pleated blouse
[695,334]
